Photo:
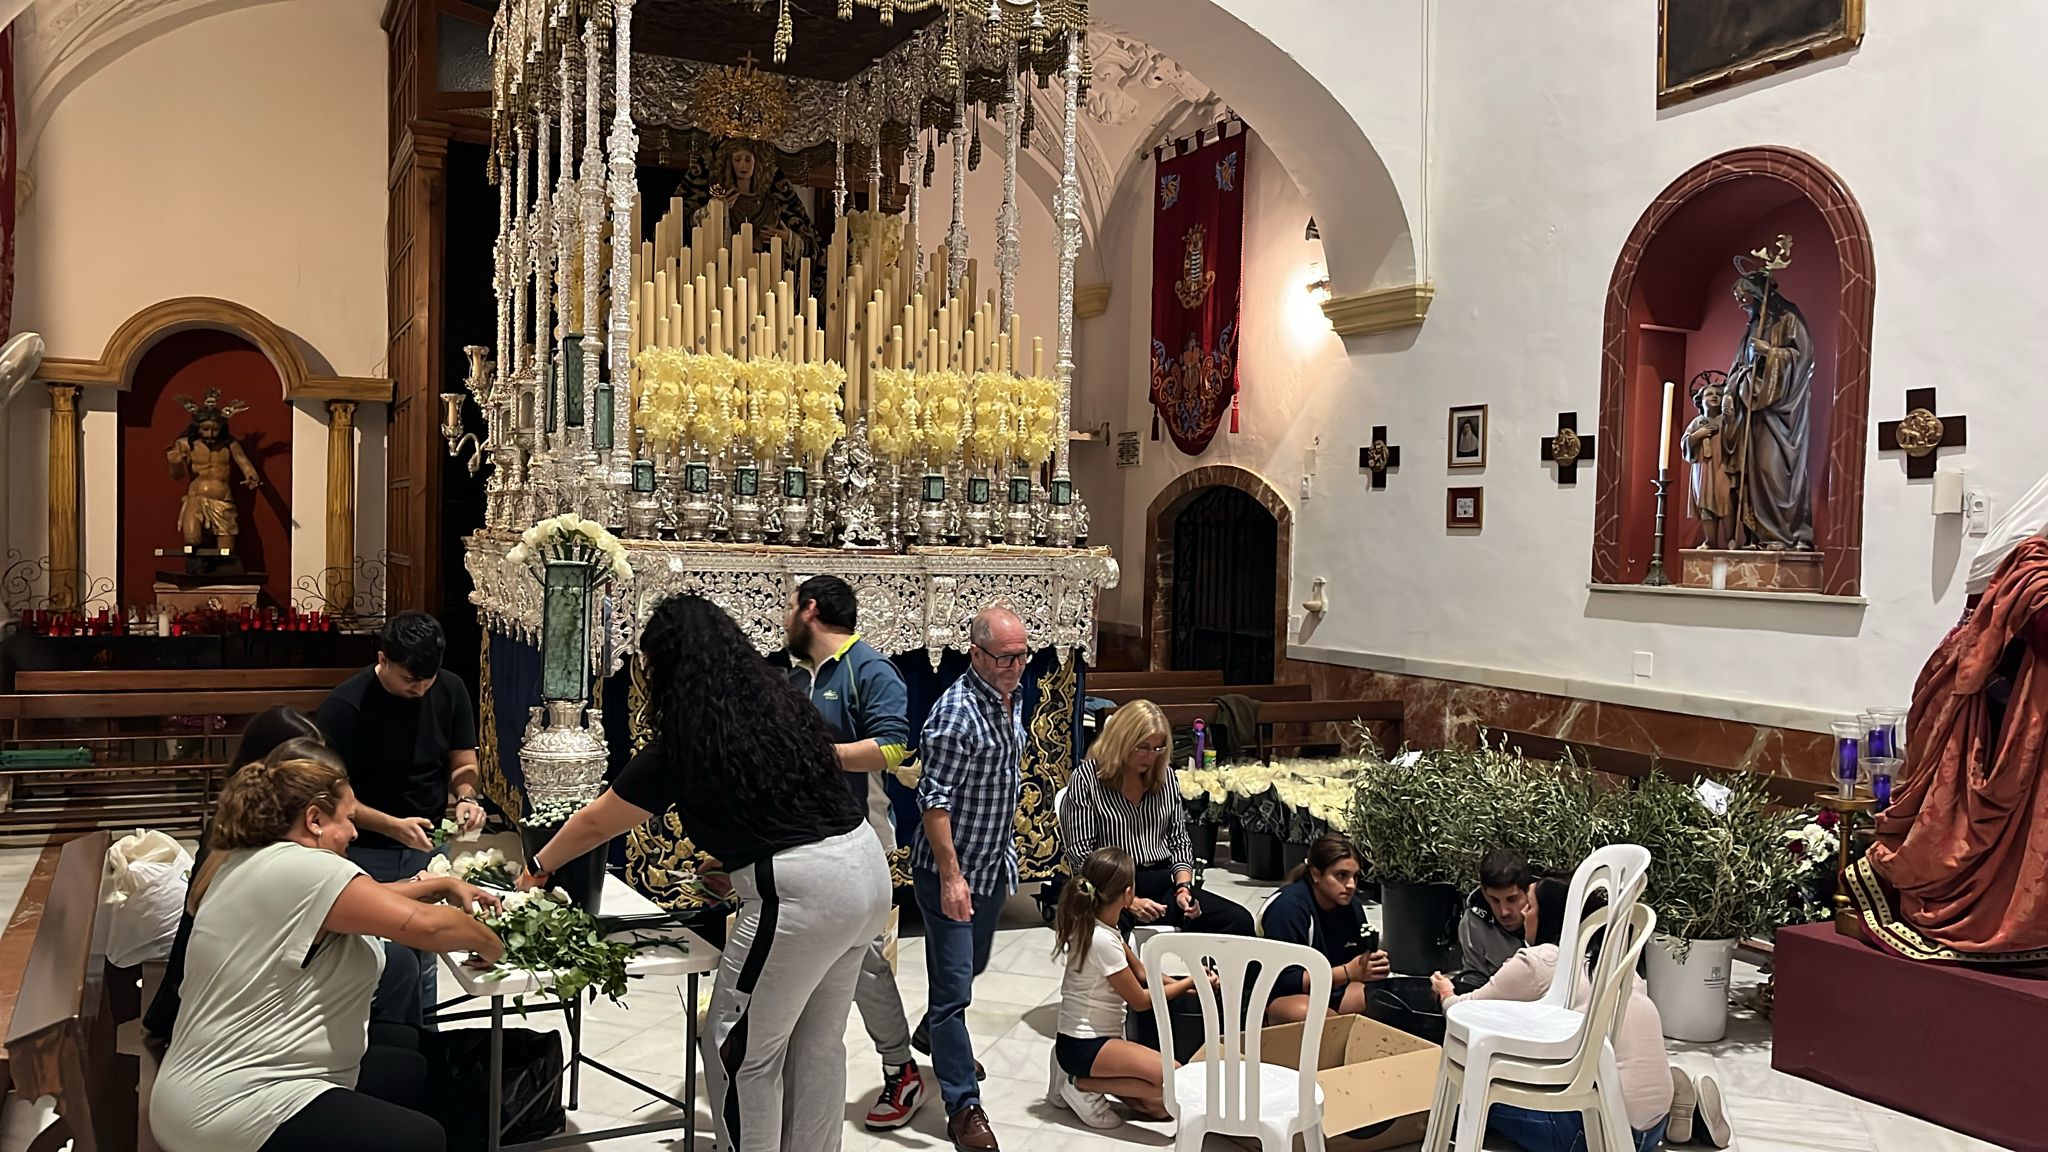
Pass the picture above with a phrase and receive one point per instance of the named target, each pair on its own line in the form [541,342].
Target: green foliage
[553,940]
[1713,876]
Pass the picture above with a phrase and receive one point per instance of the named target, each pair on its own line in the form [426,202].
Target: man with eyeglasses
[964,856]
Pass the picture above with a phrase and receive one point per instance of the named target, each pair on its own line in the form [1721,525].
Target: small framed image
[1468,437]
[746,481]
[934,488]
[697,478]
[1465,508]
[977,490]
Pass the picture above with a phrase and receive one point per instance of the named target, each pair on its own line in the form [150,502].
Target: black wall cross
[1921,433]
[1568,449]
[1379,456]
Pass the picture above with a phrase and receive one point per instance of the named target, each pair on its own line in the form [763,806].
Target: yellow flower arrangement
[1036,402]
[994,435]
[664,413]
[892,418]
[715,401]
[868,229]
[819,424]
[942,414]
[770,404]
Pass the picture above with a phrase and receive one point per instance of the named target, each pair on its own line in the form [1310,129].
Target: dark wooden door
[1225,549]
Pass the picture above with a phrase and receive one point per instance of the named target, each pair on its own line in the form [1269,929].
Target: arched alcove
[1161,519]
[1670,316]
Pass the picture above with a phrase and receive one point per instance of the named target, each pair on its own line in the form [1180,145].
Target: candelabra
[1656,577]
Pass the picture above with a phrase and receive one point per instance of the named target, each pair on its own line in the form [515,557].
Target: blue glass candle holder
[1848,749]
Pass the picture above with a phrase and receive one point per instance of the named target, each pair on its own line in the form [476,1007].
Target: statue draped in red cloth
[1959,868]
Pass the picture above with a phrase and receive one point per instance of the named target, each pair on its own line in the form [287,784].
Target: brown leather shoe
[970,1131]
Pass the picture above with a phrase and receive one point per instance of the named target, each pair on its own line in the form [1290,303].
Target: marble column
[64,495]
[339,581]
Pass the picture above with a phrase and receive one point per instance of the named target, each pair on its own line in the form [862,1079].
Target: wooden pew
[1151,679]
[1203,694]
[1634,766]
[1386,715]
[61,1041]
[127,718]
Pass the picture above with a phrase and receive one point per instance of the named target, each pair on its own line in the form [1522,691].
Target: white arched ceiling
[60,44]
[1367,237]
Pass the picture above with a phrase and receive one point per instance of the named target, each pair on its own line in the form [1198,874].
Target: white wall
[240,155]
[1545,147]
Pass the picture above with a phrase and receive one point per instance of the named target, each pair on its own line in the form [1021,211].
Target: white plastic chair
[1623,870]
[1543,1056]
[1232,1092]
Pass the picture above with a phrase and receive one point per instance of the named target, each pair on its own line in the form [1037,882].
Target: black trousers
[382,1112]
[1219,915]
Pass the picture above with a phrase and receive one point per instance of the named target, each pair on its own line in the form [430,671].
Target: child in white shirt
[1091,1058]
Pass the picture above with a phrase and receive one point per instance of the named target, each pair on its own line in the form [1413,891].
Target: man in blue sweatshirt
[862,698]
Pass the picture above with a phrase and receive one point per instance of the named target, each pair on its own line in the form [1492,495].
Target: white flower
[559,895]
[439,866]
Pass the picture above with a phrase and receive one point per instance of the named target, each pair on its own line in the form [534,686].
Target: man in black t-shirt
[407,731]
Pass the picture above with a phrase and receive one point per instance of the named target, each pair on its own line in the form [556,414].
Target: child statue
[1704,448]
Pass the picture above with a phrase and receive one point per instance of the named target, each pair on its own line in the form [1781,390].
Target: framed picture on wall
[1467,437]
[1465,508]
[1705,45]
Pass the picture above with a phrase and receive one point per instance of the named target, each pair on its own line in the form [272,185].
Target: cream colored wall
[239,155]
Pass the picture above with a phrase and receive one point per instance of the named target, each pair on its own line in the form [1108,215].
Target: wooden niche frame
[1840,533]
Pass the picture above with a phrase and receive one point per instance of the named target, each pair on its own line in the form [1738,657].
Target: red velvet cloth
[1965,841]
[1953,1045]
[1197,269]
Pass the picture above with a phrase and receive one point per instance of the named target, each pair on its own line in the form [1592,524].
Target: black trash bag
[1409,1004]
[532,1099]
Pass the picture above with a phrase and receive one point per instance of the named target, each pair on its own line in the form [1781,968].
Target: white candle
[1664,435]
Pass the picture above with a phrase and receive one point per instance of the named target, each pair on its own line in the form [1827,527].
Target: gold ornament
[742,102]
[1920,432]
[1379,457]
[1565,448]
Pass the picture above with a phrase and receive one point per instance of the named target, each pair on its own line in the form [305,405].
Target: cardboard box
[1370,1074]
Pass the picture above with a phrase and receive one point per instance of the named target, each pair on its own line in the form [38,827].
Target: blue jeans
[388,866]
[1555,1131]
[955,952]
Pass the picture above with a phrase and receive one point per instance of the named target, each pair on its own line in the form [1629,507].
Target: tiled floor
[1012,1023]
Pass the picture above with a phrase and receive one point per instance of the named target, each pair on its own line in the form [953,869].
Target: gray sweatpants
[774,1041]
[881,1006]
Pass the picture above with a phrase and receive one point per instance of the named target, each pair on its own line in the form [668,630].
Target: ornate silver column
[956,236]
[590,204]
[1008,256]
[625,151]
[1060,523]
[915,155]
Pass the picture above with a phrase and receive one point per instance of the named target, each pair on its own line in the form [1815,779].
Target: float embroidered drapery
[8,163]
[1197,267]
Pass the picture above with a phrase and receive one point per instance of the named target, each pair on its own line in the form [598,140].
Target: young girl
[1090,1056]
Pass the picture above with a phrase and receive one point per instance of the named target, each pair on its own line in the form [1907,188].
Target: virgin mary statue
[745,178]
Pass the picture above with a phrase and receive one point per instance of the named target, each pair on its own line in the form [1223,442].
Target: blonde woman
[1124,796]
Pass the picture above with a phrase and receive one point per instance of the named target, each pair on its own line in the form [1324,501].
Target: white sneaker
[1714,1118]
[1684,1103]
[1092,1107]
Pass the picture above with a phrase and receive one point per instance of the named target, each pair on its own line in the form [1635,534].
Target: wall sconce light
[1311,232]
[1320,289]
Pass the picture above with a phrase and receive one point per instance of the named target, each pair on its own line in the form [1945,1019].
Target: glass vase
[566,583]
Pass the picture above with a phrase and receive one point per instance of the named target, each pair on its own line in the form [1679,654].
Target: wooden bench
[1152,679]
[61,1041]
[159,741]
[1386,715]
[1204,694]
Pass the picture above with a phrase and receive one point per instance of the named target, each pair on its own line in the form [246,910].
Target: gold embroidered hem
[1881,925]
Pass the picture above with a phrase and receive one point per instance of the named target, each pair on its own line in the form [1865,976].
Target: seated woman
[1645,1068]
[1320,907]
[395,1009]
[1124,795]
[273,1051]
[1101,977]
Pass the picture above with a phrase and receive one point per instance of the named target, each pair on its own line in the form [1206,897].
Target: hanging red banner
[1197,267]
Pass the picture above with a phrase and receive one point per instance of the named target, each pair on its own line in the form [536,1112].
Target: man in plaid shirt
[964,857]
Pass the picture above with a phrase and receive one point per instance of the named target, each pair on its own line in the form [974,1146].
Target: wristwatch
[533,865]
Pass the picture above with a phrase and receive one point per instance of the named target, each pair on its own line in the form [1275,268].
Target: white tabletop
[619,899]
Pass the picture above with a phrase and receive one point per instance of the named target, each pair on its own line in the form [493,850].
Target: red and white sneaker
[902,1092]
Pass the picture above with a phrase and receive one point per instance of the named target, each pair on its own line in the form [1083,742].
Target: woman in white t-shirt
[284,954]
[1091,1059]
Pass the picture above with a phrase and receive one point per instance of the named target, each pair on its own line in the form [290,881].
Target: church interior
[1171,332]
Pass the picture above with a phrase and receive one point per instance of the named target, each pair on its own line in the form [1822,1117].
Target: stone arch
[1368,240]
[1159,518]
[1840,534]
[144,330]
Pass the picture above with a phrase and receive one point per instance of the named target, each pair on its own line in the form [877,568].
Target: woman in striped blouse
[1124,796]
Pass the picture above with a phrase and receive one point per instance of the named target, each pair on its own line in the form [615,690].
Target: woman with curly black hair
[750,770]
